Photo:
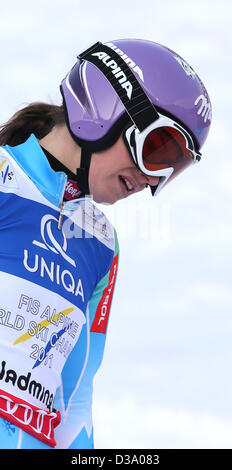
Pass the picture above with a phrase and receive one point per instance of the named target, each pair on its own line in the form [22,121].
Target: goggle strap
[139,107]
[153,189]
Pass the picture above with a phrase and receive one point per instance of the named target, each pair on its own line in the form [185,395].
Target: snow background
[166,378]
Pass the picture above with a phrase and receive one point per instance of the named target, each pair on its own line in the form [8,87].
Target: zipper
[62,204]
[61,215]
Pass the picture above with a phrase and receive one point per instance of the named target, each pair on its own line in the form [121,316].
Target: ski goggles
[163,149]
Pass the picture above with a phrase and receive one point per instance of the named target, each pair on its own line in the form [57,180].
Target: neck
[61,145]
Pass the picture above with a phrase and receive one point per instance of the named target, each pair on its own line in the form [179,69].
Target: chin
[107,200]
[106,203]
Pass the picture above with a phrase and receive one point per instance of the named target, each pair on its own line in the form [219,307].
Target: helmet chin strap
[83,172]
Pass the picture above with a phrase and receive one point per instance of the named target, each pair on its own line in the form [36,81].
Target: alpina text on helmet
[117,71]
[127,59]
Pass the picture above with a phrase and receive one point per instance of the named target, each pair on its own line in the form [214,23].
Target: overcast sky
[166,377]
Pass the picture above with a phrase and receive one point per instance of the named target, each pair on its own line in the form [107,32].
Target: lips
[129,186]
[123,186]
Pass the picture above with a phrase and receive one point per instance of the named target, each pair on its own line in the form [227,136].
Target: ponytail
[36,118]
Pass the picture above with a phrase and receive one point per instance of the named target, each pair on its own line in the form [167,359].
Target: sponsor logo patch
[100,321]
[37,422]
[71,191]
[7,176]
[24,383]
[204,108]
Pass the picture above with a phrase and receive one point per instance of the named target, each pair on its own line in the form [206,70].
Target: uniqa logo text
[55,273]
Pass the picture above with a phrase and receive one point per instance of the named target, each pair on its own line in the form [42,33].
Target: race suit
[58,265]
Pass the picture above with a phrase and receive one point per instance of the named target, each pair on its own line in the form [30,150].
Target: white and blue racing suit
[57,273]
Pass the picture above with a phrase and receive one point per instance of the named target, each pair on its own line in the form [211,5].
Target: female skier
[133,115]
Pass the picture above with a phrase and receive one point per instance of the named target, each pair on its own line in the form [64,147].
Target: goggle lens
[166,147]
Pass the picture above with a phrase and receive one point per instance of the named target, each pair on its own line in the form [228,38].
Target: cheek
[99,176]
[106,166]
[102,166]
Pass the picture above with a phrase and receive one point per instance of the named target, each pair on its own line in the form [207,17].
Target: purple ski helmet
[96,115]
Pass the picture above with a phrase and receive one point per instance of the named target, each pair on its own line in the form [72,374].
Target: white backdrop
[166,379]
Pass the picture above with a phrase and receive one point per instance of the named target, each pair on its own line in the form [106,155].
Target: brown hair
[36,118]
